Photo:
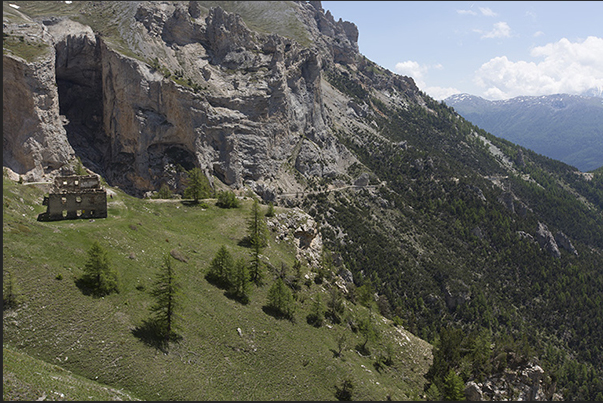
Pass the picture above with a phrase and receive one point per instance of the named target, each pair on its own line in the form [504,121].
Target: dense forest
[445,252]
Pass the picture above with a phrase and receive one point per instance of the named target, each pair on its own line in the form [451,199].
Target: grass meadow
[90,348]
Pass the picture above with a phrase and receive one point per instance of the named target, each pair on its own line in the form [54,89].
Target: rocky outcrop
[526,382]
[299,228]
[513,204]
[546,240]
[565,243]
[34,141]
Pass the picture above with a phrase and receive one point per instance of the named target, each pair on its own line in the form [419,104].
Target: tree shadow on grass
[87,288]
[245,242]
[277,313]
[363,350]
[153,335]
[336,354]
[241,299]
[192,203]
[217,282]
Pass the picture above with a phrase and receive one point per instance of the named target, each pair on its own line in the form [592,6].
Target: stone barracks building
[75,197]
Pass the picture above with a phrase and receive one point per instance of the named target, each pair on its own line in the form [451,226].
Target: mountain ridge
[561,126]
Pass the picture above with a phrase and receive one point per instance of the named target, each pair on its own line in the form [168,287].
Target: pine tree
[270,212]
[280,299]
[335,305]
[257,231]
[453,387]
[221,268]
[257,234]
[163,193]
[297,276]
[240,284]
[79,167]
[317,313]
[98,274]
[198,186]
[167,301]
[368,330]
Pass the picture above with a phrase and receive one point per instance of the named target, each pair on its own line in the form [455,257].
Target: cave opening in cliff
[79,82]
[167,163]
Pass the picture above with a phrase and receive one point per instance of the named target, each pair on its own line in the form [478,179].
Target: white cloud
[537,34]
[417,72]
[500,30]
[412,69]
[470,12]
[566,67]
[439,93]
[487,12]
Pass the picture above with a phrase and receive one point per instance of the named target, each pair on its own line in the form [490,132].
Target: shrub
[227,199]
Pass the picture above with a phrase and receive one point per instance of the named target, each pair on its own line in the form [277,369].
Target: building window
[78,199]
[63,200]
[64,213]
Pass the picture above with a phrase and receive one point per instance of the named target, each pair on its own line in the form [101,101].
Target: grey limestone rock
[547,241]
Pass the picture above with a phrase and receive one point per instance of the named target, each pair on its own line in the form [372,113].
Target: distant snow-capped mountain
[561,126]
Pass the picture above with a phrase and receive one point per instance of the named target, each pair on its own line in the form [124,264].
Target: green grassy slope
[27,378]
[100,338]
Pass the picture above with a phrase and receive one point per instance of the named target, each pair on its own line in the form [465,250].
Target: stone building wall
[75,197]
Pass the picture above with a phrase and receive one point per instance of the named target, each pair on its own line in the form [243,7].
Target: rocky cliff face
[34,139]
[243,106]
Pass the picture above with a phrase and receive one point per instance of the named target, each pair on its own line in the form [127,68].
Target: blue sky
[493,49]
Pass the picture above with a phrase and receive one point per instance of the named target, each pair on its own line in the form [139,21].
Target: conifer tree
[256,227]
[257,234]
[317,313]
[368,330]
[453,387]
[270,211]
[280,299]
[167,302]
[240,283]
[98,273]
[198,186]
[335,305]
[221,268]
[341,342]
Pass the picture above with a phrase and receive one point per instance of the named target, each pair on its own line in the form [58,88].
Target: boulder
[473,392]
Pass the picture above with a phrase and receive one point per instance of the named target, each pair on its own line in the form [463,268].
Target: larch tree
[240,284]
[166,292]
[221,268]
[280,299]
[197,185]
[98,273]
[257,234]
